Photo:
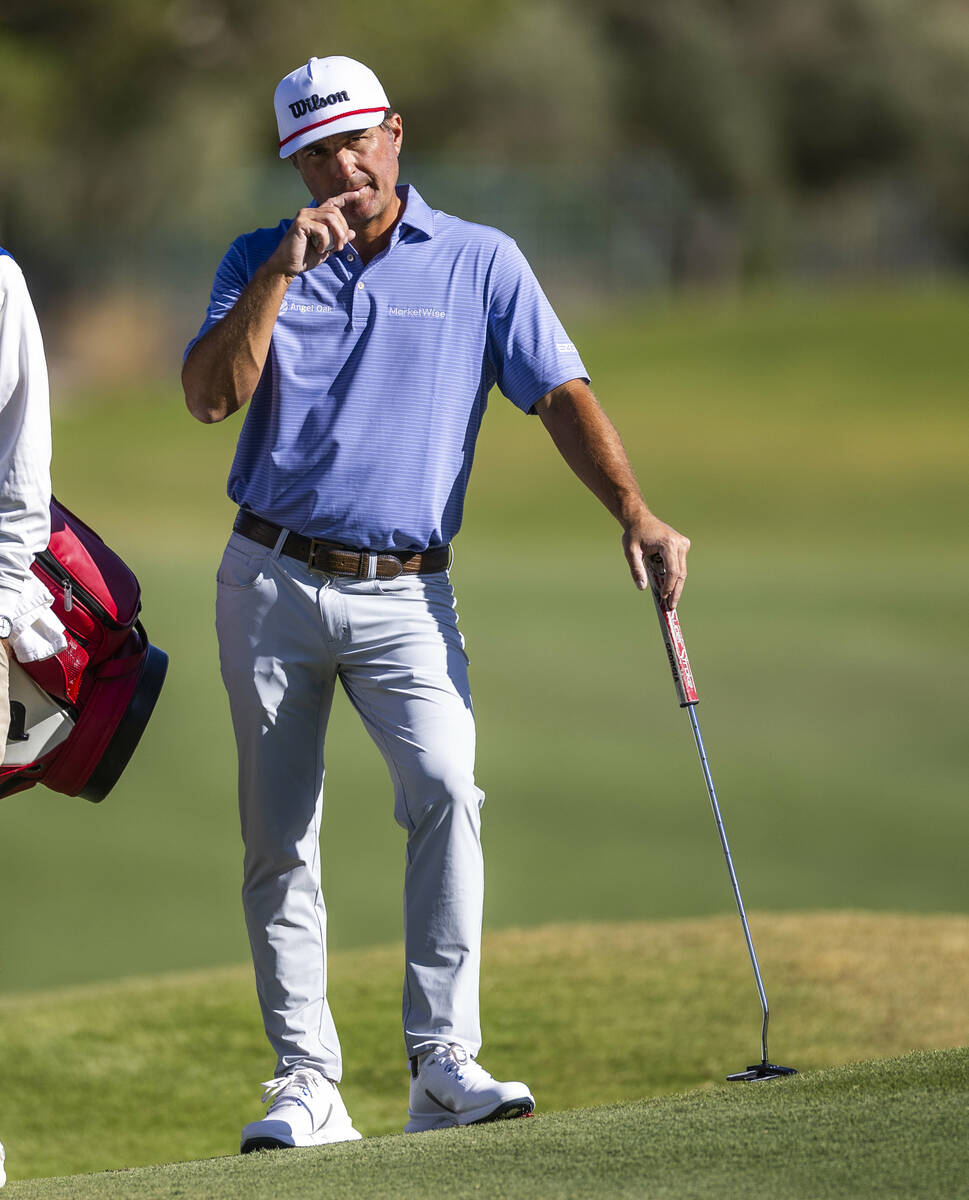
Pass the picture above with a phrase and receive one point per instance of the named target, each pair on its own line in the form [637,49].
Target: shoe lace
[455,1060]
[304,1081]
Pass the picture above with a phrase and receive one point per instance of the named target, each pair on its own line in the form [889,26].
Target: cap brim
[315,131]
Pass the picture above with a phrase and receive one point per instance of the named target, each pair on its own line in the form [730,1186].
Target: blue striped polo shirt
[363,425]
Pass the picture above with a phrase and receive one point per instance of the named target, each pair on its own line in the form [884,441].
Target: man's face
[363,162]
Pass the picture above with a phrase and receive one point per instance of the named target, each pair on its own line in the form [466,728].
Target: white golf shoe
[3,1174]
[448,1087]
[305,1109]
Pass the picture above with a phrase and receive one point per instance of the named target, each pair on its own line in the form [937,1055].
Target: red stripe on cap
[357,112]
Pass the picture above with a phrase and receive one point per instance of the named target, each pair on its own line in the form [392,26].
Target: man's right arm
[223,367]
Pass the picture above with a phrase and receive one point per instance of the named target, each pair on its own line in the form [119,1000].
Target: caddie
[28,628]
[365,334]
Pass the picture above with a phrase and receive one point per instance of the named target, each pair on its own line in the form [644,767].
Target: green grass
[812,445]
[885,1129]
[167,1068]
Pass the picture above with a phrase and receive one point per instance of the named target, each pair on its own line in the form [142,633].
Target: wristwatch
[5,627]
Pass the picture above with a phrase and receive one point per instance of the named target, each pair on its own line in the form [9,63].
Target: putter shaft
[687,695]
[711,791]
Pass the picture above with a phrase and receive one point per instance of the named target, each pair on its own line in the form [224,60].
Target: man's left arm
[590,444]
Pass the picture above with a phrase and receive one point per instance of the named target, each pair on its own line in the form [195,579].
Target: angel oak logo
[313,103]
[296,306]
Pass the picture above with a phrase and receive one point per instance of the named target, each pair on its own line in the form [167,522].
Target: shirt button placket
[360,304]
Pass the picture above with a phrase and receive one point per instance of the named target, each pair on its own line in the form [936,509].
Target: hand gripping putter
[686,693]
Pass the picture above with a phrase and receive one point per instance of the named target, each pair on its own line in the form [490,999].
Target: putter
[687,695]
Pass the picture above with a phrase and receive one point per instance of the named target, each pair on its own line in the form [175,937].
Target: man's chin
[361,212]
[367,206]
[366,212]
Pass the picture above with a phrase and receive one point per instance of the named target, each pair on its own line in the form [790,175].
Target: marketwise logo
[420,312]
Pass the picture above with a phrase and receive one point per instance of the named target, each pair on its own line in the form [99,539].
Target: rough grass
[168,1068]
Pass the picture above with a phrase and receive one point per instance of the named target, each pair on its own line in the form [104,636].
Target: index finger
[342,199]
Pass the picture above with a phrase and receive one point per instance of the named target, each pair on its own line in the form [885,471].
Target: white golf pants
[285,636]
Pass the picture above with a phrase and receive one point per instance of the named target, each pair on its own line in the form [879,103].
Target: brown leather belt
[330,558]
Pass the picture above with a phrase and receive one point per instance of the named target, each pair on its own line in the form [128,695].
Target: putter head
[760,1071]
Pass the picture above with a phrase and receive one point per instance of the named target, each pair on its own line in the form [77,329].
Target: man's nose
[345,163]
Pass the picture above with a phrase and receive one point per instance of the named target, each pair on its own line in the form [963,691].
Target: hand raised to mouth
[315,234]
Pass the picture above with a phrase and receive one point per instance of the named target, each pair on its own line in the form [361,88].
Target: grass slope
[167,1068]
[895,1128]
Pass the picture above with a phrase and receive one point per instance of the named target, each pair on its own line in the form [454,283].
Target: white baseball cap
[328,95]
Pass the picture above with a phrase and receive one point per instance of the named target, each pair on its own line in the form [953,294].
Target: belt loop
[371,562]
[280,542]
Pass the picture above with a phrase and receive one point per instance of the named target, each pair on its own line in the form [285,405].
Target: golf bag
[76,718]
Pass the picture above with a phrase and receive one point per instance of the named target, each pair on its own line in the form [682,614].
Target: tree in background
[138,133]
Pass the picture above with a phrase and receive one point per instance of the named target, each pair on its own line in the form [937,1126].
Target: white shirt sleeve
[25,450]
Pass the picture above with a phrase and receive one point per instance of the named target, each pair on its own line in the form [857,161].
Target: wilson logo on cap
[312,103]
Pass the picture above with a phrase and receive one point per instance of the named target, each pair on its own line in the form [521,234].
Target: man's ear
[397,131]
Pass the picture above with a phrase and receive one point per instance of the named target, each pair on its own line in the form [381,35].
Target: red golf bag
[76,718]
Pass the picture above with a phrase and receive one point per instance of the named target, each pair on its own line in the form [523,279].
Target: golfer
[365,334]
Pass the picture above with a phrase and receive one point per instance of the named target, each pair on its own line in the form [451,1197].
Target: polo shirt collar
[417,213]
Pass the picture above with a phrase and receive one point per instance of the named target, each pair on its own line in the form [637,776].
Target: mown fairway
[814,448]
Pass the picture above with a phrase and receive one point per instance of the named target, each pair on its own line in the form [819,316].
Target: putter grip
[669,625]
